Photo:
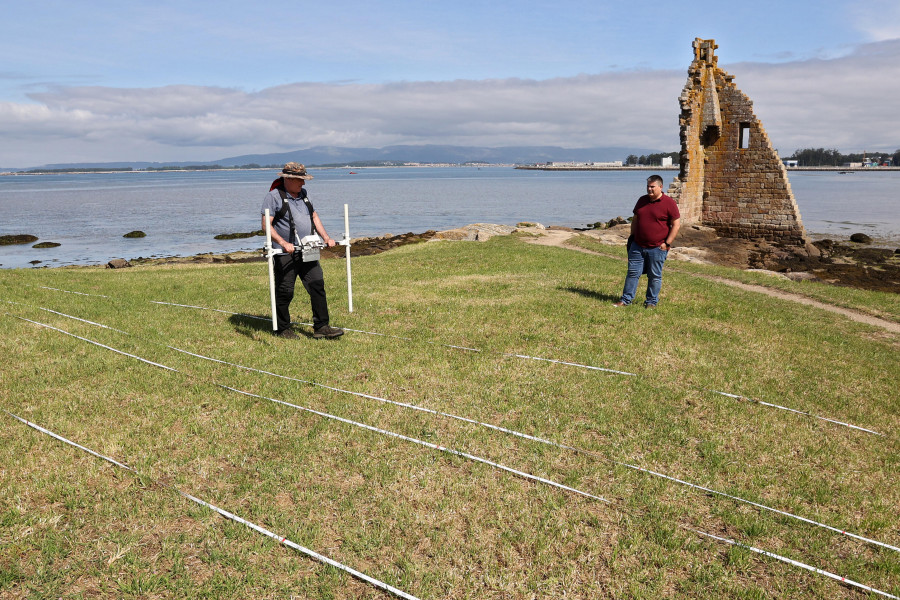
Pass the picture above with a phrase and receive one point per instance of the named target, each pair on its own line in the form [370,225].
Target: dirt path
[561,238]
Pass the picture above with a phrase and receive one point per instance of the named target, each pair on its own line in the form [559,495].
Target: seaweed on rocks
[8,240]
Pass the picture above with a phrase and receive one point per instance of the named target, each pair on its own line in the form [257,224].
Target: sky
[100,81]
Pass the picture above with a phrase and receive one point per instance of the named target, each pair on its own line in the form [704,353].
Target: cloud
[843,102]
[881,22]
[195,122]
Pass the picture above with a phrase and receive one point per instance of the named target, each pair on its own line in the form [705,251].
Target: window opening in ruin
[744,139]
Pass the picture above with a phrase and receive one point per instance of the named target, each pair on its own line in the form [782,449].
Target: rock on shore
[832,262]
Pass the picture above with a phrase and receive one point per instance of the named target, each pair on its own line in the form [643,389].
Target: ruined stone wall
[687,188]
[734,183]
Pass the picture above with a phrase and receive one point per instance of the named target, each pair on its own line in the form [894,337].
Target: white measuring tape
[521,435]
[551,360]
[459,453]
[551,443]
[406,339]
[794,410]
[384,586]
[796,563]
[279,538]
[490,463]
[523,356]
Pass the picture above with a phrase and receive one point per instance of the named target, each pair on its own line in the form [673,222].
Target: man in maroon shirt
[653,229]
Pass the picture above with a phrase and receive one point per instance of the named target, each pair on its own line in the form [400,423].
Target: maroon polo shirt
[654,220]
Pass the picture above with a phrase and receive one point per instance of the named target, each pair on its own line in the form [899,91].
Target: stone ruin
[731,179]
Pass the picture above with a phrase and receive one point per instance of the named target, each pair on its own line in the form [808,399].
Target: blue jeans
[641,260]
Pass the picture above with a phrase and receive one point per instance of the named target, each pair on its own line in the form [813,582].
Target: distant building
[667,161]
[790,162]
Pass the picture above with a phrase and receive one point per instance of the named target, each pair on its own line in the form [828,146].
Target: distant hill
[325,155]
[328,155]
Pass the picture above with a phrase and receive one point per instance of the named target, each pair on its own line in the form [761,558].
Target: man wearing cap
[293,217]
[655,224]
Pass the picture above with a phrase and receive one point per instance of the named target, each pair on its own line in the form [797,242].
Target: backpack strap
[285,209]
[284,206]
[309,207]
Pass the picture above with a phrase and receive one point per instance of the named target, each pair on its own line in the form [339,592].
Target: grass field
[429,522]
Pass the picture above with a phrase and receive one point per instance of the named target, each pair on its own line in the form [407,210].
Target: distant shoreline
[436,165]
[675,168]
[214,256]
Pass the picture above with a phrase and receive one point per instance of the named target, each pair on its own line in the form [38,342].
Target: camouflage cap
[294,170]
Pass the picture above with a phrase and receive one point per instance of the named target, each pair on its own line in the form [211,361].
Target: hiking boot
[619,304]
[287,334]
[652,306]
[326,331]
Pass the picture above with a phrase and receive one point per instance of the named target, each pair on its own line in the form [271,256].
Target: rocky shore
[838,262]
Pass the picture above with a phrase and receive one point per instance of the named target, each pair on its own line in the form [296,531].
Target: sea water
[182,211]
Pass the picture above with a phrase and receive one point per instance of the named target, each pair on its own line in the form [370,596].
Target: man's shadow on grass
[589,294]
[252,325]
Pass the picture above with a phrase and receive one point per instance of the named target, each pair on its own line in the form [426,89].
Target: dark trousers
[287,270]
